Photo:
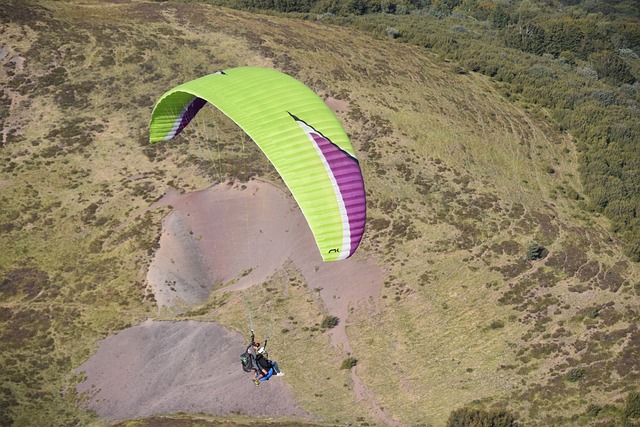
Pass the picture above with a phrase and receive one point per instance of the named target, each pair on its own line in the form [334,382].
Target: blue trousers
[269,374]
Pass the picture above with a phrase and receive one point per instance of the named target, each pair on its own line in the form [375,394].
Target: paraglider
[267,367]
[248,357]
[255,359]
[297,132]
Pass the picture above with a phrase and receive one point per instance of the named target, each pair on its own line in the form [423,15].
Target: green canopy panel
[298,133]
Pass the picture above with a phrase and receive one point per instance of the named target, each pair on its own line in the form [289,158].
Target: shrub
[497,324]
[575,374]
[393,33]
[349,363]
[632,406]
[469,417]
[593,410]
[499,18]
[633,248]
[611,67]
[330,322]
[534,251]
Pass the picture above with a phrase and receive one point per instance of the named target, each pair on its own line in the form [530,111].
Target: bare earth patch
[225,238]
[242,234]
[188,366]
[337,105]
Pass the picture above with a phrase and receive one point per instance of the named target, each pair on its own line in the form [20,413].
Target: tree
[563,34]
[611,68]
[499,18]
[527,37]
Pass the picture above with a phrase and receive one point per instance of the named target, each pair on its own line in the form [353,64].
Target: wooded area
[575,62]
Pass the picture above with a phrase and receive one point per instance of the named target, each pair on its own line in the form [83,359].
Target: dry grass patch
[291,315]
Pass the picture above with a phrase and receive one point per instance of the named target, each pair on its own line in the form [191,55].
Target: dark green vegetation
[475,417]
[330,322]
[575,62]
[349,363]
[625,414]
[519,302]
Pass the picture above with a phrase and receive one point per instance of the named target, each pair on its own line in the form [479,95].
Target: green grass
[459,185]
[283,309]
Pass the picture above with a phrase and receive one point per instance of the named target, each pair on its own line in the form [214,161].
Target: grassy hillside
[567,60]
[501,293]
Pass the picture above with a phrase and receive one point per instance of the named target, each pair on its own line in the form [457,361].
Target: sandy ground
[165,367]
[214,235]
[211,237]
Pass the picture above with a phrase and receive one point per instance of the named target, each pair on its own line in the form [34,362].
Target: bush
[534,251]
[593,410]
[575,374]
[611,67]
[349,363]
[393,33]
[497,324]
[632,406]
[330,322]
[469,417]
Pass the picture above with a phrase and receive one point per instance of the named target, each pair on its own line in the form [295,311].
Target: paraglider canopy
[298,133]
